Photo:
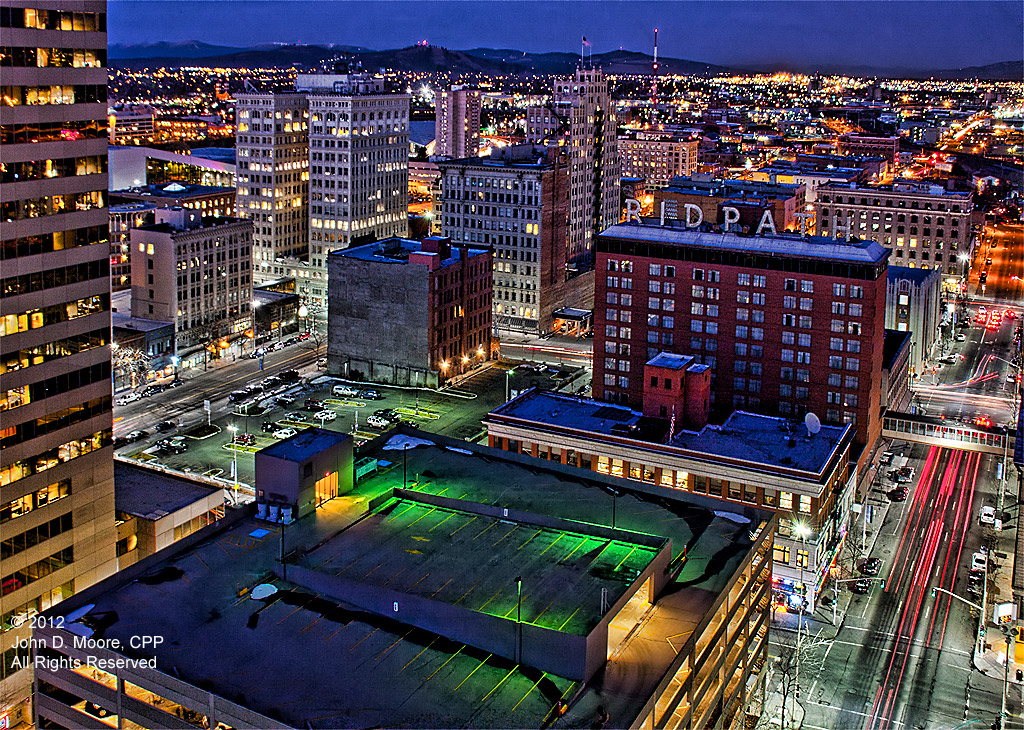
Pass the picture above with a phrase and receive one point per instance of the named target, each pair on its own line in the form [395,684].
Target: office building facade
[657,157]
[787,324]
[784,201]
[195,272]
[272,143]
[56,464]
[913,303]
[358,161]
[457,122]
[924,225]
[515,202]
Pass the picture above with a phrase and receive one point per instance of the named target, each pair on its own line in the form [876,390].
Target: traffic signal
[883,584]
[933,593]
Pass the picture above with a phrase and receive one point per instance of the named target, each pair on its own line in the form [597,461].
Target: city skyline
[910,35]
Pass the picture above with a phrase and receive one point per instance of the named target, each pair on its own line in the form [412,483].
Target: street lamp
[174,361]
[802,531]
[303,313]
[234,458]
[508,390]
[519,619]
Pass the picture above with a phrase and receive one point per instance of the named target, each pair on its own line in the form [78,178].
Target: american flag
[585,41]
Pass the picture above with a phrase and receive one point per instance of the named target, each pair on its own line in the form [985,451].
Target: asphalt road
[903,657]
[1003,243]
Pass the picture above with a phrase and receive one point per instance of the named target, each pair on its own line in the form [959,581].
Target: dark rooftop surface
[396,251]
[313,663]
[305,444]
[780,245]
[152,494]
[434,552]
[759,439]
[916,275]
[670,360]
[892,342]
[174,190]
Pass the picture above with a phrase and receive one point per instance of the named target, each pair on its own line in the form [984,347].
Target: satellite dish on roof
[813,424]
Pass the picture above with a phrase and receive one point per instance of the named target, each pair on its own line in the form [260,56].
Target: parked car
[312,404]
[979,561]
[870,566]
[285,433]
[975,576]
[898,494]
[164,426]
[887,457]
[270,427]
[128,398]
[325,415]
[344,390]
[238,396]
[304,336]
[377,422]
[961,337]
[175,383]
[289,376]
[387,413]
[283,400]
[905,474]
[948,360]
[244,439]
[291,340]
[370,395]
[137,435]
[988,515]
[121,441]
[860,587]
[321,363]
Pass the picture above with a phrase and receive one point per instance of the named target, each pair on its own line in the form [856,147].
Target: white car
[285,433]
[344,390]
[961,337]
[988,515]
[377,422]
[979,561]
[128,398]
[325,415]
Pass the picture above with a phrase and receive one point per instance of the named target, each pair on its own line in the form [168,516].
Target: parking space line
[625,558]
[465,525]
[456,603]
[442,586]
[473,672]
[363,639]
[418,582]
[418,655]
[529,691]
[528,540]
[570,618]
[395,517]
[508,534]
[446,661]
[582,542]
[419,518]
[381,563]
[484,530]
[297,609]
[398,641]
[441,522]
[481,608]
[560,536]
[495,689]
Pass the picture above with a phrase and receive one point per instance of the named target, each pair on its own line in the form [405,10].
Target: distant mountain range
[493,61]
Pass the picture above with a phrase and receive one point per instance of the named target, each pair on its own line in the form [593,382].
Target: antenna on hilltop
[813,424]
[654,75]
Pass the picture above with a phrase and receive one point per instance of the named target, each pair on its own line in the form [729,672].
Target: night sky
[884,33]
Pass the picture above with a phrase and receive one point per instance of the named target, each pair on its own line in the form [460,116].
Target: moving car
[285,433]
[304,336]
[128,398]
[166,426]
[121,441]
[175,383]
[238,396]
[961,337]
[137,435]
[988,515]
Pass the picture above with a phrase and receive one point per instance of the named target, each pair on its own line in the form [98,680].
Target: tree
[207,335]
[315,341]
[795,666]
[132,364]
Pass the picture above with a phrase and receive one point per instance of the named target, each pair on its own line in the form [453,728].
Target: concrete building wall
[457,122]
[913,304]
[379,321]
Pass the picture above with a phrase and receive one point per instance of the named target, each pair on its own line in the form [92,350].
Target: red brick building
[787,324]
